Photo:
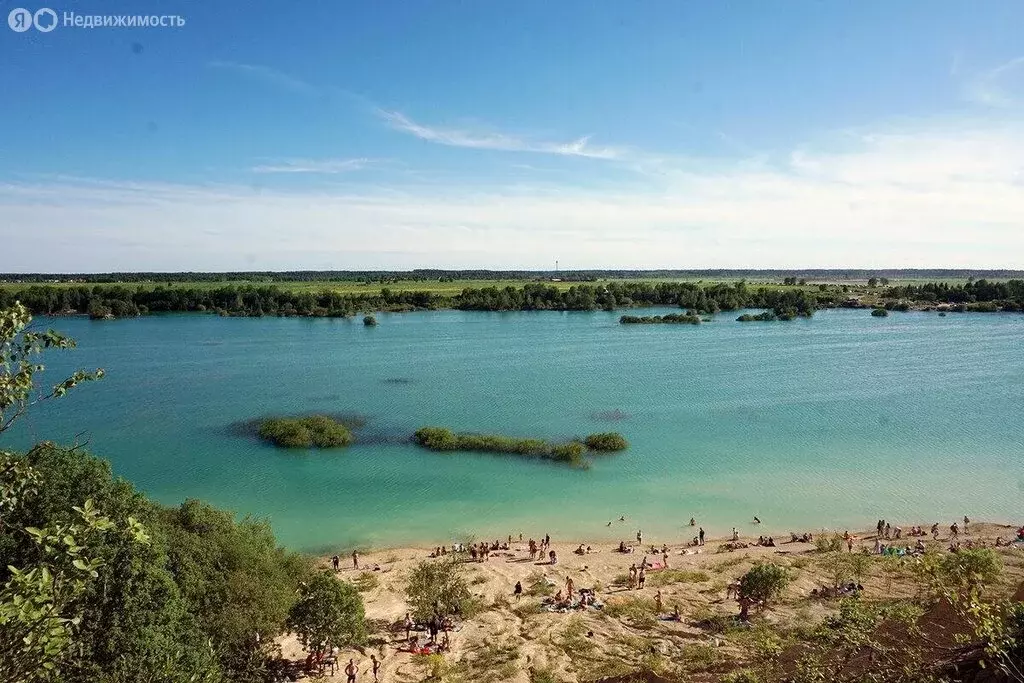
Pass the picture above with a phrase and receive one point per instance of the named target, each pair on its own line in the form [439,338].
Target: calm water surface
[817,423]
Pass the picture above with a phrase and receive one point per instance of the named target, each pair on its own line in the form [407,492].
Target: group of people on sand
[768,542]
[336,561]
[436,625]
[351,669]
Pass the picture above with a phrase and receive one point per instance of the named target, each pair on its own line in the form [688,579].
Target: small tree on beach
[762,584]
[438,587]
[328,613]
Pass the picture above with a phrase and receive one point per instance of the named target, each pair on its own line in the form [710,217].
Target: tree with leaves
[329,613]
[39,614]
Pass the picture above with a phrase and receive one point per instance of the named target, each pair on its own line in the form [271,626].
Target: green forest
[786,302]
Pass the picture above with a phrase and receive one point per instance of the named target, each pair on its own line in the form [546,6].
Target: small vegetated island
[572,452]
[311,431]
[689,318]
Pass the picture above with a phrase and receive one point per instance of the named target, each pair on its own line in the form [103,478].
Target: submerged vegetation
[671,319]
[572,452]
[313,431]
[766,316]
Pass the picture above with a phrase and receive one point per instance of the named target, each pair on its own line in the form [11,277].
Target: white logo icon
[20,19]
[45,20]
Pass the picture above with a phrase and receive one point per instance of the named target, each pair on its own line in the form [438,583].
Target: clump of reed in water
[313,431]
[572,452]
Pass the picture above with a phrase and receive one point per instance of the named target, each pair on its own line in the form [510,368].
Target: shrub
[314,431]
[606,441]
[441,587]
[366,581]
[572,452]
[763,583]
[667,577]
[828,544]
[328,613]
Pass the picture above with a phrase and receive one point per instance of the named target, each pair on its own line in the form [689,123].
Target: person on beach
[664,559]
[351,670]
[954,530]
[966,522]
[632,576]
[376,667]
[518,591]
[657,602]
[408,626]
[700,536]
[547,540]
[888,531]
[355,559]
[935,531]
[552,557]
[335,561]
[641,577]
[639,537]
[880,526]
[849,542]
[735,534]
[569,586]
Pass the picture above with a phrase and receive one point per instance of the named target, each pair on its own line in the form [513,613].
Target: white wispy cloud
[1001,86]
[461,137]
[268,75]
[323,166]
[921,195]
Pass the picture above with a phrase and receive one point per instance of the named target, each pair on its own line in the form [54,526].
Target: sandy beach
[518,640]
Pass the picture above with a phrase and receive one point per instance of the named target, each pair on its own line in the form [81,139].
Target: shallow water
[829,422]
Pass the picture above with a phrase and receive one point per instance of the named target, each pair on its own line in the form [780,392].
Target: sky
[391,134]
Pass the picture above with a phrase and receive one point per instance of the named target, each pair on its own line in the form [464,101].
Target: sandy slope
[554,640]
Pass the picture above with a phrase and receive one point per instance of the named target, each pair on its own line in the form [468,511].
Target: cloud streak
[459,137]
[996,87]
[268,75]
[313,166]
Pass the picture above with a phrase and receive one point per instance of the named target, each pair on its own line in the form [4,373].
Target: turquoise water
[829,422]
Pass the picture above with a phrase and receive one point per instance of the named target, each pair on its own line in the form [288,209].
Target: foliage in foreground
[313,431]
[100,584]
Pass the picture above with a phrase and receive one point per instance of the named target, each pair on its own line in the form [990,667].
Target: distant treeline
[423,274]
[981,295]
[253,300]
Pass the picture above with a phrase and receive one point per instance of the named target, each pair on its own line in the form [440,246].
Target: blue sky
[508,135]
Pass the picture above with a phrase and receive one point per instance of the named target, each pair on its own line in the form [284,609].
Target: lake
[830,422]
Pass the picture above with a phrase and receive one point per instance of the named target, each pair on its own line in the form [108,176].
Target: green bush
[328,613]
[572,452]
[763,583]
[439,586]
[606,441]
[314,431]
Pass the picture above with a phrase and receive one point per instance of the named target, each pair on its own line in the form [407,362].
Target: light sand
[546,640]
